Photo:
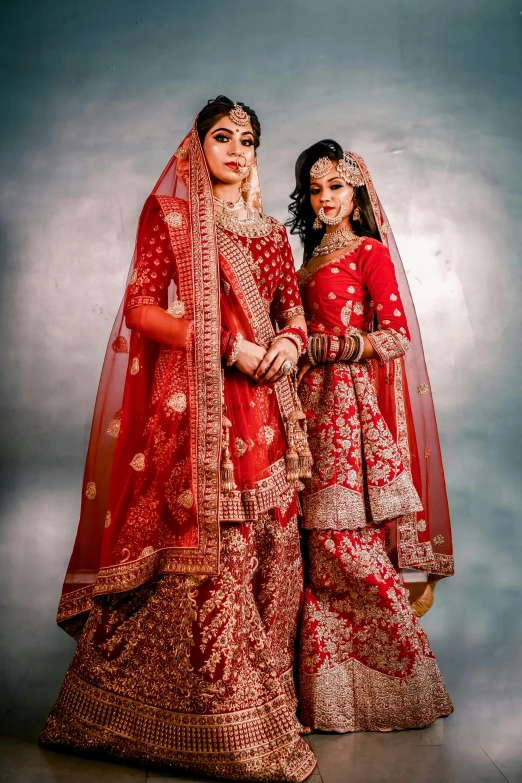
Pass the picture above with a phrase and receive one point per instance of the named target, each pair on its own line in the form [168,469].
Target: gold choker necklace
[334,240]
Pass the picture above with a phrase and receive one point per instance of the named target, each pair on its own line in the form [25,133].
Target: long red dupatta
[420,541]
[130,439]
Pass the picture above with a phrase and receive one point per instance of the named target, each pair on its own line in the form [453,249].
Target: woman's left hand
[281,350]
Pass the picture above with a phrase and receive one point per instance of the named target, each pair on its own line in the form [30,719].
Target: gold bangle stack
[322,348]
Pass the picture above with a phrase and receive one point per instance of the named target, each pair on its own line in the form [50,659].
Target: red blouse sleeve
[392,339]
[154,267]
[286,303]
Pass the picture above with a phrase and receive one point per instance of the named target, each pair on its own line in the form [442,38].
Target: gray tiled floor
[443,753]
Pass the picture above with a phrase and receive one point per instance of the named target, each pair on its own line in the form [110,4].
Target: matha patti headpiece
[321,168]
[238,115]
[350,171]
[347,169]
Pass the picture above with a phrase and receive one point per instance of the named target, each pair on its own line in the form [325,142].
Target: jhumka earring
[317,224]
[356,214]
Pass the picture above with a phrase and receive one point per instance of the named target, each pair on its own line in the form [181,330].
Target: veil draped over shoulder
[420,541]
[133,433]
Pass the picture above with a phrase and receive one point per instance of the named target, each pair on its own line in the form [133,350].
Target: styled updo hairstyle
[221,107]
[300,208]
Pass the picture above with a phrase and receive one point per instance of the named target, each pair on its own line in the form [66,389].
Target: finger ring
[287,367]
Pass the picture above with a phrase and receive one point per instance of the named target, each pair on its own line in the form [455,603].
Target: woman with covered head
[375,507]
[184,585]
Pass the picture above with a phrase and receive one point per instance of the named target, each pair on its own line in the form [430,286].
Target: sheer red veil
[125,430]
[420,541]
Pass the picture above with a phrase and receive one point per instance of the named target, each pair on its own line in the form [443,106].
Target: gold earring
[356,215]
[317,224]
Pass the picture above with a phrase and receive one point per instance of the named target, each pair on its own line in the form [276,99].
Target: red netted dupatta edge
[421,541]
[124,437]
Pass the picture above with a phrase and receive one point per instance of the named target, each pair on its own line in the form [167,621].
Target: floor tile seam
[484,751]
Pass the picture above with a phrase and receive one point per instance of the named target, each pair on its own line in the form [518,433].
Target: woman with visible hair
[184,585]
[375,507]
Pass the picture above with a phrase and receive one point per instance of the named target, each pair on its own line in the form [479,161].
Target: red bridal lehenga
[376,502]
[185,601]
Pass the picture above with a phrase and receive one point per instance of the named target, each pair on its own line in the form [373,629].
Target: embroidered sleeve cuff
[388,344]
[291,313]
[233,347]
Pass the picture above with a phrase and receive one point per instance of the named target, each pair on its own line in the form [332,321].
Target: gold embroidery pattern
[241,447]
[336,507]
[236,264]
[176,309]
[248,504]
[388,344]
[178,402]
[108,519]
[186,499]
[196,672]
[90,490]
[353,697]
[133,277]
[423,388]
[411,552]
[114,427]
[366,665]
[198,270]
[120,345]
[135,366]
[138,462]
[352,447]
[174,219]
[292,312]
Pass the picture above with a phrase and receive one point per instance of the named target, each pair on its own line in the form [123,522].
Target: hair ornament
[350,171]
[321,168]
[238,115]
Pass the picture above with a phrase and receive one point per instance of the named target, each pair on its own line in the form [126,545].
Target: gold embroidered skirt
[365,663]
[196,672]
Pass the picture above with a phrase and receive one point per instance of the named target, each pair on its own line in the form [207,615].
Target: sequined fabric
[196,672]
[365,663]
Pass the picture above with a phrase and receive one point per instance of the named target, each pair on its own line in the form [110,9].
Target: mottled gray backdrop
[96,96]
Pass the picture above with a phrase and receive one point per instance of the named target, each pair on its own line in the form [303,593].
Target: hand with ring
[280,359]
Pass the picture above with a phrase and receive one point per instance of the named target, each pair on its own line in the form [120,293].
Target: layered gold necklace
[253,225]
[334,240]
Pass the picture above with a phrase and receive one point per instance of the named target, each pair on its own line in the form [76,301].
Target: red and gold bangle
[333,349]
[360,348]
[349,349]
[296,334]
[293,337]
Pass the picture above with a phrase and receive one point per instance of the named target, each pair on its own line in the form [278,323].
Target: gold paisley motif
[174,219]
[186,499]
[120,345]
[178,402]
[138,462]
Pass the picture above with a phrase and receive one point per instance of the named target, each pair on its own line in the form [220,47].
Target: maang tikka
[238,115]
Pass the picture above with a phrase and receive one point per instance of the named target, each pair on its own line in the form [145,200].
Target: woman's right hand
[249,357]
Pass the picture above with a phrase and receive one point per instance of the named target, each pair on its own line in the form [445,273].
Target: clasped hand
[264,366]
